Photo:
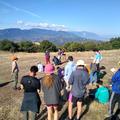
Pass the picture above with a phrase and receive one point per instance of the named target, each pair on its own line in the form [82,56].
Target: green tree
[115,43]
[75,46]
[8,45]
[26,46]
[90,45]
[46,45]
[67,45]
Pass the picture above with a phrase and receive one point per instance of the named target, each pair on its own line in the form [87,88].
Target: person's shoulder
[104,88]
[25,76]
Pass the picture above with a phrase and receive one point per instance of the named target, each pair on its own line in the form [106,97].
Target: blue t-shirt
[116,82]
[79,79]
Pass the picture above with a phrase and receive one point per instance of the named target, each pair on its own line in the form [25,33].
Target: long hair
[48,81]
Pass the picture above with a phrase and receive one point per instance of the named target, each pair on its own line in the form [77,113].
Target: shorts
[74,99]
[52,105]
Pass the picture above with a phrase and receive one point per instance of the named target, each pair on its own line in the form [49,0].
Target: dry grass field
[10,100]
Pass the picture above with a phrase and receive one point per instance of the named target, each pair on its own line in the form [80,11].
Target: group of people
[56,59]
[74,78]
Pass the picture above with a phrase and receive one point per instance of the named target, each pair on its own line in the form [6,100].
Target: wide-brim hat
[14,58]
[80,62]
[49,69]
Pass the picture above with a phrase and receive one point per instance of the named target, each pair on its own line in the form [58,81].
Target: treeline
[28,46]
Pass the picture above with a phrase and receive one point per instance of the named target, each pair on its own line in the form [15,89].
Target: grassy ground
[10,100]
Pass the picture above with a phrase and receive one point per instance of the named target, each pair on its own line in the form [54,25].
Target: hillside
[57,37]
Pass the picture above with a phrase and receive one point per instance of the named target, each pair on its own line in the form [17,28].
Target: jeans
[115,98]
[93,77]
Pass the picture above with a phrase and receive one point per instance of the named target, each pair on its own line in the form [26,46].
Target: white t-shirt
[40,67]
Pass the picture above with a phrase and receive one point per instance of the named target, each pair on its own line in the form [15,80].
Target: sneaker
[76,118]
[68,118]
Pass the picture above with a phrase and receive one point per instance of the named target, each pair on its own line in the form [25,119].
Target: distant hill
[90,35]
[57,37]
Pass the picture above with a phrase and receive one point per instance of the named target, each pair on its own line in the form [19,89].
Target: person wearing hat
[51,86]
[115,96]
[31,100]
[78,81]
[15,71]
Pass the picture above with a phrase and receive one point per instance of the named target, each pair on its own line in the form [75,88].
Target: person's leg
[13,79]
[33,115]
[49,60]
[56,113]
[25,115]
[95,77]
[67,84]
[49,109]
[70,105]
[118,99]
[91,77]
[112,104]
[98,67]
[79,109]
[46,60]
[16,79]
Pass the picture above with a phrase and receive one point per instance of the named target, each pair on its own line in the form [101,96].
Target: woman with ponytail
[51,86]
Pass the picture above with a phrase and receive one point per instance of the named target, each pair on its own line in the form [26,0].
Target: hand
[62,92]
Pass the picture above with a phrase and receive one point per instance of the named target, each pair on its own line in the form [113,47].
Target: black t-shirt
[30,84]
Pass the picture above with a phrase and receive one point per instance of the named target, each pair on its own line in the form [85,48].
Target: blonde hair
[48,81]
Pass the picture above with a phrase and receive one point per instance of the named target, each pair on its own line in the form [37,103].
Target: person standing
[78,81]
[97,59]
[51,86]
[31,100]
[15,71]
[115,96]
[47,57]
[69,68]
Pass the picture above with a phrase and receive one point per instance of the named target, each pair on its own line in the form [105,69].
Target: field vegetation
[10,100]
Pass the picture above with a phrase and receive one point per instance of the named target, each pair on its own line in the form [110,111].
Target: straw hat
[14,58]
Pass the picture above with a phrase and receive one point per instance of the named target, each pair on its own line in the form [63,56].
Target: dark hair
[99,82]
[34,69]
[70,58]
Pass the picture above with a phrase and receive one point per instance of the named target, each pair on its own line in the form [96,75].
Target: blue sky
[99,16]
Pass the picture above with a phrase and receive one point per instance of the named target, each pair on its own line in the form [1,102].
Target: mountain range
[57,37]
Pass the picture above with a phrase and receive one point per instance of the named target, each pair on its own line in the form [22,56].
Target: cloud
[42,26]
[19,9]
